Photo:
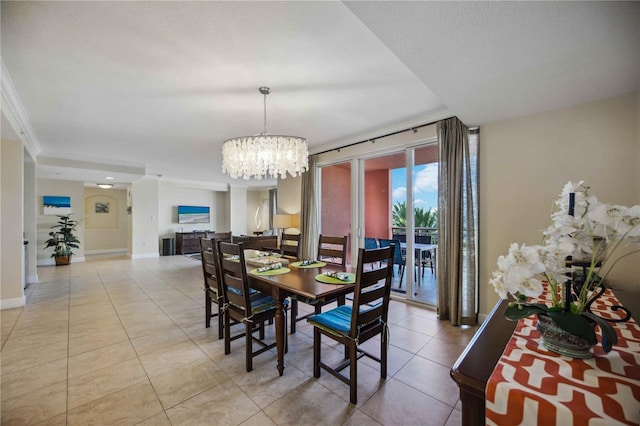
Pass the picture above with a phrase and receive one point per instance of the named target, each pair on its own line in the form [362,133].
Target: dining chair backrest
[423,239]
[233,274]
[332,249]
[370,243]
[370,299]
[397,253]
[210,266]
[290,245]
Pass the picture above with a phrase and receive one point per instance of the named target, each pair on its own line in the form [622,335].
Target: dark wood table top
[475,365]
[302,282]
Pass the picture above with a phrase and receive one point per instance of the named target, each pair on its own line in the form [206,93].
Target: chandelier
[259,155]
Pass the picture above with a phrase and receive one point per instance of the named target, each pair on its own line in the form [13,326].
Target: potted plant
[63,240]
[584,230]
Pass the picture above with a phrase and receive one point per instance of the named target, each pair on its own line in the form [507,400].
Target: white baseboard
[13,303]
[144,256]
[106,251]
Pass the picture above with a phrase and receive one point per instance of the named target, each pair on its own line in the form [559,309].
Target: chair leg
[227,334]
[316,353]
[353,373]
[384,345]
[249,346]
[286,337]
[401,267]
[221,315]
[294,314]
[207,309]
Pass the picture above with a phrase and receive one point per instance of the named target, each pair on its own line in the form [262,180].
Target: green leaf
[607,330]
[518,311]
[576,325]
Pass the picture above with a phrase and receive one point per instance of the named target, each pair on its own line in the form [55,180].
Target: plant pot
[559,341]
[63,260]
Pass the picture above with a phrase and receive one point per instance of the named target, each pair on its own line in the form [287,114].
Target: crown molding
[14,112]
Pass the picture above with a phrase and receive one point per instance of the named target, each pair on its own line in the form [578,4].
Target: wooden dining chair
[330,250]
[212,286]
[243,305]
[333,249]
[365,319]
[291,246]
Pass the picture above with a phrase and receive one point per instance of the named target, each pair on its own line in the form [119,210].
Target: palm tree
[422,218]
[400,214]
[426,219]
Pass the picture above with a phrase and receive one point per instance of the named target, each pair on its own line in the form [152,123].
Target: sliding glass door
[391,185]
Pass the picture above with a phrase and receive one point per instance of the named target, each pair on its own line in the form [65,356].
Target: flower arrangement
[581,227]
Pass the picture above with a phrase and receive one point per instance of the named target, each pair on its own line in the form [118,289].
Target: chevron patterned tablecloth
[532,386]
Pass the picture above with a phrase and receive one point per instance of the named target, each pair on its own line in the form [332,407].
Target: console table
[189,242]
[474,367]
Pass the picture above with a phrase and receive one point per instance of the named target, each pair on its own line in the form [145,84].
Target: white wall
[30,219]
[73,189]
[525,162]
[238,210]
[105,232]
[11,213]
[171,196]
[257,207]
[144,218]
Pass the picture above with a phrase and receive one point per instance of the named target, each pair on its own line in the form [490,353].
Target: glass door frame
[357,212]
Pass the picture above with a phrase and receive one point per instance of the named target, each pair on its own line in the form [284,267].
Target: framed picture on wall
[102,207]
[56,205]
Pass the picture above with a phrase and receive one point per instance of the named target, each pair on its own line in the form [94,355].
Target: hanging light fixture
[105,185]
[259,155]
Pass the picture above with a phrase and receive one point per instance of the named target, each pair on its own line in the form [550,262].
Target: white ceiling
[158,86]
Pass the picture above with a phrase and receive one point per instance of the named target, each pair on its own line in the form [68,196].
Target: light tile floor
[115,341]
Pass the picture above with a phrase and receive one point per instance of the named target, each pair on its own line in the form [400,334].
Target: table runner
[531,385]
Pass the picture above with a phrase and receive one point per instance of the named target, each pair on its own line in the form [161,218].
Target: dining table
[300,281]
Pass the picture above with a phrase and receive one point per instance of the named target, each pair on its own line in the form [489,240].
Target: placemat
[316,264]
[270,271]
[325,279]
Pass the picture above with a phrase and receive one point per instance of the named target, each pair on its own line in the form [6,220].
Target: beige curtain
[457,224]
[309,213]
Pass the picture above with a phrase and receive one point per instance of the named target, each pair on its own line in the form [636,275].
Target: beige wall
[524,163]
[73,189]
[11,212]
[289,202]
[105,232]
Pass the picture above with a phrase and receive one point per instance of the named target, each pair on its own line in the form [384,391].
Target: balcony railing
[422,234]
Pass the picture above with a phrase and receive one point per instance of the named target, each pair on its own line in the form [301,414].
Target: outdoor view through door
[386,220]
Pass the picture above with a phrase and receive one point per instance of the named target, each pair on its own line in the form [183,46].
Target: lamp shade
[283,221]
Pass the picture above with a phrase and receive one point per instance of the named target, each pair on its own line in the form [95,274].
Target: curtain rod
[410,129]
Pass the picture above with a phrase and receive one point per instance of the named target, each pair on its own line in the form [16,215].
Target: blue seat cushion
[337,319]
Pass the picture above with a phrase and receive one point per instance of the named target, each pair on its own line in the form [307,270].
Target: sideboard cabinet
[188,242]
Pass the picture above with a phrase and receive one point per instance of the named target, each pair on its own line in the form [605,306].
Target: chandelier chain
[264,131]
